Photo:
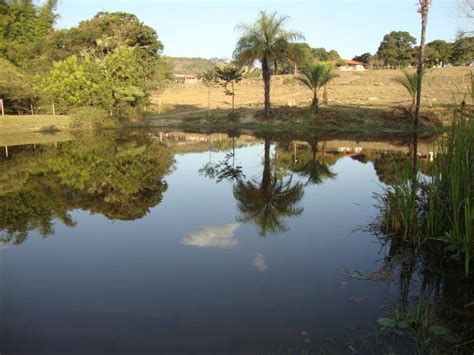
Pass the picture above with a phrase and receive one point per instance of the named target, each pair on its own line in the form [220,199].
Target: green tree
[315,77]
[267,41]
[320,54]
[463,50]
[300,55]
[364,58]
[125,80]
[15,88]
[107,31]
[228,75]
[24,29]
[438,52]
[72,83]
[208,79]
[396,48]
[333,56]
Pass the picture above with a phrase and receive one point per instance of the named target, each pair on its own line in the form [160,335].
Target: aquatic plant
[437,210]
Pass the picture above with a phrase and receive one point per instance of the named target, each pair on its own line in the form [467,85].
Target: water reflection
[183,270]
[221,236]
[117,176]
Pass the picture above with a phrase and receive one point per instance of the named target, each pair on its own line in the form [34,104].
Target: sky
[207,28]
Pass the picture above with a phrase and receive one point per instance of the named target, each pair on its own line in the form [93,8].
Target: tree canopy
[397,48]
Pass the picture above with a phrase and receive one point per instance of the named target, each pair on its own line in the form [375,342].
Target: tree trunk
[325,95]
[424,8]
[208,101]
[233,97]
[266,83]
[266,175]
[315,103]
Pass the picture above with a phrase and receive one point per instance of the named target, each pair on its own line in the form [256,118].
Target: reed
[437,210]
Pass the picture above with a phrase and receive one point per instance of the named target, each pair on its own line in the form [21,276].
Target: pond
[197,243]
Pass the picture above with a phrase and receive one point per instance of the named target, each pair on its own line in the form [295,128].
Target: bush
[90,117]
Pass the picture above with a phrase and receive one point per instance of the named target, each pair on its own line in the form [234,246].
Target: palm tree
[268,201]
[409,80]
[315,77]
[424,6]
[266,41]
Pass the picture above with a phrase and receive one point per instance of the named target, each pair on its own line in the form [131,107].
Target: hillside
[193,66]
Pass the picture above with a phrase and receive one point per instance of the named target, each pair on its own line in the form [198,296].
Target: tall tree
[24,28]
[438,52]
[396,48]
[423,8]
[267,41]
[463,50]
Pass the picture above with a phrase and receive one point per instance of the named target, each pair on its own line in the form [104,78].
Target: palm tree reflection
[316,170]
[267,202]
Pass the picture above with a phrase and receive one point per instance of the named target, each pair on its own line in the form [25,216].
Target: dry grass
[442,87]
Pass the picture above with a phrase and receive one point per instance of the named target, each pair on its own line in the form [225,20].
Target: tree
[409,80]
[364,58]
[315,77]
[320,54]
[15,88]
[125,80]
[208,79]
[396,48]
[333,56]
[300,55]
[463,50]
[72,83]
[438,52]
[24,28]
[423,9]
[226,75]
[267,41]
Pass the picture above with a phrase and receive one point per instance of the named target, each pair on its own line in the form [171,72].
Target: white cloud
[220,236]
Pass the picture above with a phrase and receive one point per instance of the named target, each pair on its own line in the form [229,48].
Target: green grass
[32,123]
[437,211]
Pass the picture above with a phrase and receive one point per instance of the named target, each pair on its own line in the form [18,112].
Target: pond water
[188,243]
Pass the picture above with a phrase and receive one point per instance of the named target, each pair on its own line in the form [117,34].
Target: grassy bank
[352,118]
[33,123]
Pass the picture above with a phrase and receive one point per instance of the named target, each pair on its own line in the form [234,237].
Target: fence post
[1,106]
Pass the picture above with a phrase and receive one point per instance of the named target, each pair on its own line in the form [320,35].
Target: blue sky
[206,29]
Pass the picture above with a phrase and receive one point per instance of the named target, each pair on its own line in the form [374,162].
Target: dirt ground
[372,88]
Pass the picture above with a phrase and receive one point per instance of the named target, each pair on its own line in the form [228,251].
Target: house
[353,65]
[185,79]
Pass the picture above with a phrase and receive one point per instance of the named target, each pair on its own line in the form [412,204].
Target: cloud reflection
[259,262]
[219,236]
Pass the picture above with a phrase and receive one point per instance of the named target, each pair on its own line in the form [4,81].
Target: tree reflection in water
[267,202]
[117,176]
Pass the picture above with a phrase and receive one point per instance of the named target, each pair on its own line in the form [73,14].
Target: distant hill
[193,66]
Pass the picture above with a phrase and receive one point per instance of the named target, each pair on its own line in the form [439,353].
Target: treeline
[399,49]
[194,66]
[111,61]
